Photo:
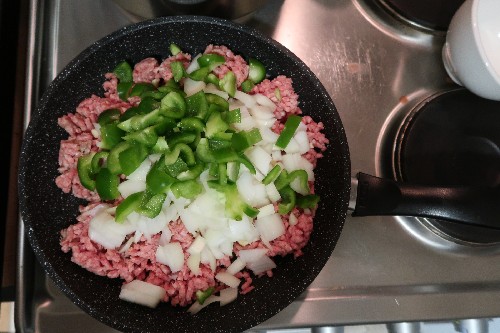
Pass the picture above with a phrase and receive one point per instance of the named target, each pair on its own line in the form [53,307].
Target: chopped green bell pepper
[291,125]
[84,168]
[106,184]
[127,206]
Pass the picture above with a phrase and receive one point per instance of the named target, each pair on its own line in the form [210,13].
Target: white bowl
[471,53]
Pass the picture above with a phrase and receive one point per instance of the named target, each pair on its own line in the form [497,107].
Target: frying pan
[46,210]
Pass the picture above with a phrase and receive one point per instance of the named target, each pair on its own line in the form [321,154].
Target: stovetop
[376,68]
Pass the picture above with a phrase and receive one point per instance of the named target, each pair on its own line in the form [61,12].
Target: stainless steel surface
[235,9]
[383,269]
[474,326]
[404,328]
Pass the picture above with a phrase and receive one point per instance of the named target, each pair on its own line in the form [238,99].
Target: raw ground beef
[138,261]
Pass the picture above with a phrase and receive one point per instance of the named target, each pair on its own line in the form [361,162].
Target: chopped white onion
[251,254]
[142,293]
[208,258]
[197,246]
[252,191]
[105,231]
[246,99]
[263,264]
[292,219]
[264,101]
[272,193]
[293,162]
[131,186]
[228,295]
[228,279]
[212,89]
[244,231]
[165,237]
[171,254]
[196,306]
[194,64]
[141,172]
[270,227]
[262,112]
[268,136]
[259,158]
[127,245]
[193,263]
[191,87]
[236,266]
[266,210]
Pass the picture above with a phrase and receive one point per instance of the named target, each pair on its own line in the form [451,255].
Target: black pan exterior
[46,210]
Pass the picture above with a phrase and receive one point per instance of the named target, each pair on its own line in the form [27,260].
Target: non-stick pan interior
[46,210]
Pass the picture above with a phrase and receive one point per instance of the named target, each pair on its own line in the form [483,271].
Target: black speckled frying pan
[46,209]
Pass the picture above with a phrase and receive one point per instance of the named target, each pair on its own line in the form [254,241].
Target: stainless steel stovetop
[376,68]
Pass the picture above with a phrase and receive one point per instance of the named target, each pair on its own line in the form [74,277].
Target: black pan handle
[478,206]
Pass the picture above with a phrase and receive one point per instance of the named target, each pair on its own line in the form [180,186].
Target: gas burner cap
[427,14]
[452,139]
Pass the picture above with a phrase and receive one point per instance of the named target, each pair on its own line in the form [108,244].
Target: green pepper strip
[123,72]
[188,189]
[256,71]
[228,83]
[123,89]
[174,49]
[193,172]
[200,74]
[235,207]
[201,296]
[141,121]
[131,157]
[181,137]
[215,124]
[191,124]
[160,146]
[211,61]
[173,105]
[288,197]
[233,116]
[157,179]
[213,79]
[106,184]
[197,105]
[127,206]
[291,125]
[113,162]
[308,201]
[108,116]
[177,168]
[140,88]
[217,100]
[245,139]
[180,149]
[111,135]
[178,70]
[222,173]
[247,85]
[98,161]
[84,168]
[151,206]
[272,175]
[282,180]
[303,180]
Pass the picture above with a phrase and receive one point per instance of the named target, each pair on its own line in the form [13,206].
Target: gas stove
[380,69]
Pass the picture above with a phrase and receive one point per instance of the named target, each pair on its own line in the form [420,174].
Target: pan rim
[41,256]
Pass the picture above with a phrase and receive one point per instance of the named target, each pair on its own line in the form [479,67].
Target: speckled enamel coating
[46,209]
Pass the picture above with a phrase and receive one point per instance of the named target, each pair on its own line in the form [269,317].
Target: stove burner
[428,14]
[452,139]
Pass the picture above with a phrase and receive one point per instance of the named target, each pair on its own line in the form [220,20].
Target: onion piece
[212,89]
[194,64]
[292,219]
[236,266]
[105,231]
[259,158]
[264,101]
[193,263]
[171,254]
[131,186]
[191,87]
[142,293]
[196,306]
[228,295]
[266,210]
[293,162]
[246,99]
[141,172]
[208,258]
[228,279]
[272,193]
[261,265]
[251,254]
[197,246]
[270,227]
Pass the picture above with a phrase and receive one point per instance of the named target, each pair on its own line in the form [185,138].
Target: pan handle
[478,206]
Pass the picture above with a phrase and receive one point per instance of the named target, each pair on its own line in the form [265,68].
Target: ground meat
[288,100]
